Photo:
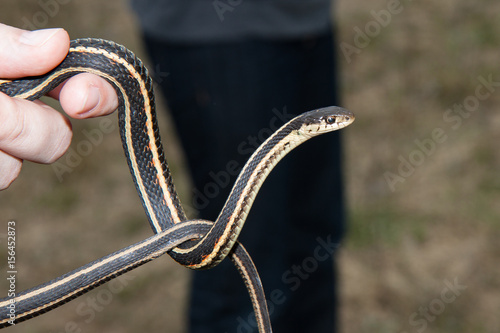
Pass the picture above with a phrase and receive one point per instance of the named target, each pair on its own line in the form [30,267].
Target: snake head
[324,120]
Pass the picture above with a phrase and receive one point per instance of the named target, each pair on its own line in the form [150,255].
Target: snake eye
[330,120]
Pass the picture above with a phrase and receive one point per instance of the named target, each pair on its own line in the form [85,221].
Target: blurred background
[421,164]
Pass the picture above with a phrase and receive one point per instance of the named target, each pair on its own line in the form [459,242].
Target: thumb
[29,53]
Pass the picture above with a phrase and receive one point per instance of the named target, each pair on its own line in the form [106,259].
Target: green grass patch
[384,226]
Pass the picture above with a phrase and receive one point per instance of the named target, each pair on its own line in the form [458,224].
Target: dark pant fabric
[225,99]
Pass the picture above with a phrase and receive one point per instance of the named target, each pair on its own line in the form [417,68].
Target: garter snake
[196,244]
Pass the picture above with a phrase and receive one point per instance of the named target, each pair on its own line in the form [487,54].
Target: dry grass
[440,224]
[442,221]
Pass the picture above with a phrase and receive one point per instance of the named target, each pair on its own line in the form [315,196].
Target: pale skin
[34,131]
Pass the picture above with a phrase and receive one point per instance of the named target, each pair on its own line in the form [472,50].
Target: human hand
[32,130]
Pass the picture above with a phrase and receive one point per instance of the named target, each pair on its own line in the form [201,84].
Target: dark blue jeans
[225,99]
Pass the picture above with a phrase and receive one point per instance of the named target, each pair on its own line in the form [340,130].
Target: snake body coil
[209,242]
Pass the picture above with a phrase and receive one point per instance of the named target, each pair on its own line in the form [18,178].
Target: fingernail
[92,100]
[37,37]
